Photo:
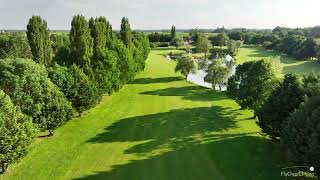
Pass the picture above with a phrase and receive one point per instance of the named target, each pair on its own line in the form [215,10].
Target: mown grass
[289,64]
[158,127]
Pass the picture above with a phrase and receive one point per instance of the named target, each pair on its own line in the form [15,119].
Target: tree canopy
[16,132]
[186,65]
[39,40]
[252,83]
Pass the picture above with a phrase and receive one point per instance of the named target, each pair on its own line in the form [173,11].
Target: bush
[77,87]
[16,132]
[29,87]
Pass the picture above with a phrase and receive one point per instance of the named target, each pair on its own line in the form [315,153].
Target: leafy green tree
[29,87]
[81,43]
[173,32]
[186,65]
[14,45]
[126,63]
[99,33]
[308,49]
[76,85]
[16,132]
[252,83]
[217,74]
[203,45]
[39,40]
[140,50]
[58,41]
[177,41]
[194,34]
[63,56]
[106,71]
[125,32]
[301,133]
[220,40]
[283,100]
[233,47]
[236,35]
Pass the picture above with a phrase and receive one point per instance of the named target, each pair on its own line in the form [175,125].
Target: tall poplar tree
[39,40]
[81,43]
[173,32]
[125,32]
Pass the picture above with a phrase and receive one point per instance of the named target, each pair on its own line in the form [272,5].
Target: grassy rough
[158,127]
[289,64]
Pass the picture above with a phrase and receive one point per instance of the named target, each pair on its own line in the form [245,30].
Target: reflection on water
[198,77]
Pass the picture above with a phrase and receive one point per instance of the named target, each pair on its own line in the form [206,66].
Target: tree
[252,83]
[236,35]
[194,34]
[233,47]
[106,71]
[14,45]
[177,41]
[186,65]
[141,50]
[308,49]
[76,85]
[39,40]
[203,45]
[221,39]
[58,41]
[301,133]
[16,132]
[217,74]
[283,100]
[126,64]
[99,32]
[125,32]
[81,43]
[173,32]
[29,87]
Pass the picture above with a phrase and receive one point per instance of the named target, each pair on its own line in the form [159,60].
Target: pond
[198,77]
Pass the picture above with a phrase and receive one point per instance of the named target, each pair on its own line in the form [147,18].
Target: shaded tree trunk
[51,132]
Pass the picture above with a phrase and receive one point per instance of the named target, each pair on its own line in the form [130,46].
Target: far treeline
[47,78]
[300,43]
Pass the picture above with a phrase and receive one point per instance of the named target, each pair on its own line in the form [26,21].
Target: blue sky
[159,14]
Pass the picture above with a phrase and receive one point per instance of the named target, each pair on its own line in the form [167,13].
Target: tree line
[298,43]
[287,110]
[68,74]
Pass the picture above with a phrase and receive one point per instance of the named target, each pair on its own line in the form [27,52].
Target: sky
[162,14]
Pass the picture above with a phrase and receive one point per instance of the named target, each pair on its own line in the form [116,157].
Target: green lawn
[157,128]
[290,65]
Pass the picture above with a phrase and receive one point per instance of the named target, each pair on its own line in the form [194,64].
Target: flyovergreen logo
[299,171]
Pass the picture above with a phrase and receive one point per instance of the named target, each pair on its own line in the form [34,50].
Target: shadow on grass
[173,124]
[195,93]
[189,144]
[231,157]
[156,80]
